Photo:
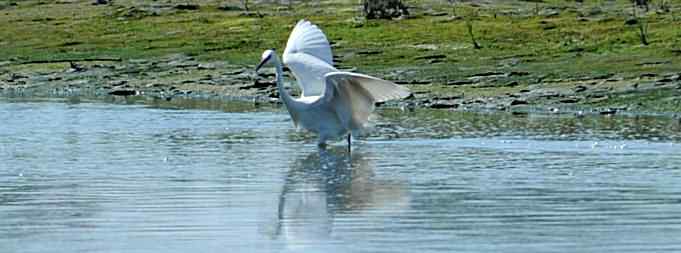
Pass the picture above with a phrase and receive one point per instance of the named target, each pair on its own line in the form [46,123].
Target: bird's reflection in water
[327,183]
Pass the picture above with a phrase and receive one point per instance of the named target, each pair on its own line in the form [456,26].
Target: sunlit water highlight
[99,177]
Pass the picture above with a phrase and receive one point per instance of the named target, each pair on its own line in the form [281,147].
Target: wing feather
[353,96]
[308,55]
[381,90]
[309,39]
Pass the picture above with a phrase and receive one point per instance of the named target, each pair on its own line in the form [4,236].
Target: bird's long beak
[260,65]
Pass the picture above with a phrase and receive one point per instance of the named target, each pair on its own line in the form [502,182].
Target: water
[80,176]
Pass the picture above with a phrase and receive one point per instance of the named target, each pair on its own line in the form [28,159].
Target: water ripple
[93,177]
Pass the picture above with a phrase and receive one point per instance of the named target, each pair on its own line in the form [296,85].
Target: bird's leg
[349,143]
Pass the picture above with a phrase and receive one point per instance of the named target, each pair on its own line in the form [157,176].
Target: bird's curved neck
[285,96]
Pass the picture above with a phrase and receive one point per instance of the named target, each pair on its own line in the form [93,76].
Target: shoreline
[181,76]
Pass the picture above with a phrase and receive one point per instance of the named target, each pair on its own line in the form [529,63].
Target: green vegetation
[549,39]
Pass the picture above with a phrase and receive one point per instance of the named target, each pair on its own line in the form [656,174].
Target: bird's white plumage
[333,102]
[353,96]
[309,71]
[379,89]
[308,55]
[309,39]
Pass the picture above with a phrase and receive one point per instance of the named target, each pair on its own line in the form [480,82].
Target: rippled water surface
[102,177]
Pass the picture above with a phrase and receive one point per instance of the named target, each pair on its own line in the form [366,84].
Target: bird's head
[266,59]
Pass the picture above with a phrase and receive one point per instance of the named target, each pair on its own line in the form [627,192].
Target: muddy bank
[167,78]
[524,92]
[181,76]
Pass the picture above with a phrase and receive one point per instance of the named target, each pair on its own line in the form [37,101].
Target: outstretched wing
[309,39]
[353,96]
[379,89]
[308,55]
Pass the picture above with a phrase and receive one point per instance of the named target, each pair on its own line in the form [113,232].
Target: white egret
[333,103]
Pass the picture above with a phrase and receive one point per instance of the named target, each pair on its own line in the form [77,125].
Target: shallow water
[80,176]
